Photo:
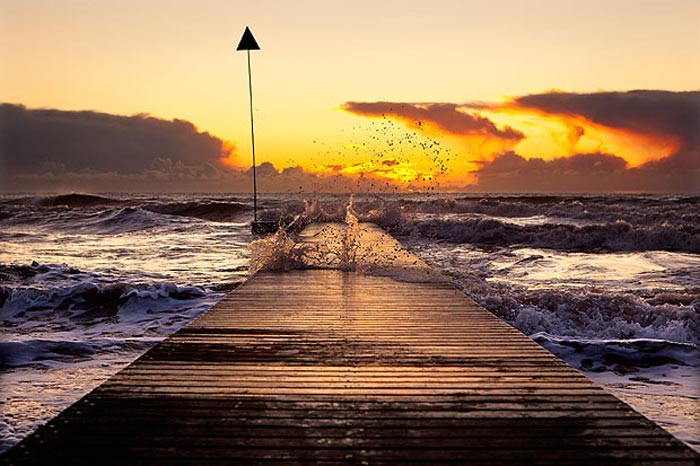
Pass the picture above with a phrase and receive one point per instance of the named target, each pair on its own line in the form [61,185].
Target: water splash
[271,253]
[348,244]
[352,238]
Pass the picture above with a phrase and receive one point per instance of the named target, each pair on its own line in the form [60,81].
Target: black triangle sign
[248,41]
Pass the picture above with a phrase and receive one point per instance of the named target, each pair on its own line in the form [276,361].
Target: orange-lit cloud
[551,136]
[639,126]
[637,140]
[229,155]
[477,132]
[643,111]
[442,116]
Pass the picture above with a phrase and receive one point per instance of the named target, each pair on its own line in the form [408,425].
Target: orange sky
[176,59]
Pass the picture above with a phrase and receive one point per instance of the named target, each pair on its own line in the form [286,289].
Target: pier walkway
[340,367]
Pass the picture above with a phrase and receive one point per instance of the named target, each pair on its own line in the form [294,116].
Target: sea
[609,283]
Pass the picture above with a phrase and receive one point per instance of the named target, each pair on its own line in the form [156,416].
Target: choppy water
[609,283]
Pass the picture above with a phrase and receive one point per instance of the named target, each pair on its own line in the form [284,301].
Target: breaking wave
[616,236]
[623,357]
[214,211]
[591,224]
[73,200]
[636,210]
[588,311]
[100,215]
[59,302]
[603,315]
[48,353]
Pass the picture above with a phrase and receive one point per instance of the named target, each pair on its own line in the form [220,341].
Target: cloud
[651,112]
[442,116]
[167,175]
[510,172]
[657,132]
[595,172]
[265,169]
[59,151]
[646,111]
[33,138]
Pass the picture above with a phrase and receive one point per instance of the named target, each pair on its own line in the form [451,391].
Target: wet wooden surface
[336,367]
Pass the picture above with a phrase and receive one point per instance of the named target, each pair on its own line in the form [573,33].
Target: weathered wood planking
[333,367]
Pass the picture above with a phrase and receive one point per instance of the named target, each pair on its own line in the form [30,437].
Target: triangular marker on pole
[247,41]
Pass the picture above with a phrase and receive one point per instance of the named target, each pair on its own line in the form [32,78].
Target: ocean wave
[50,353]
[652,366]
[604,315]
[88,300]
[581,310]
[17,272]
[115,221]
[58,298]
[100,215]
[564,223]
[587,312]
[621,356]
[215,210]
[93,220]
[636,210]
[72,200]
[71,210]
[76,200]
[617,236]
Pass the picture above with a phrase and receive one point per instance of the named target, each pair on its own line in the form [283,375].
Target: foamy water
[87,284]
[609,283]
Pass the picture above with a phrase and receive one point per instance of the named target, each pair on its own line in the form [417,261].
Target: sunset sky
[405,91]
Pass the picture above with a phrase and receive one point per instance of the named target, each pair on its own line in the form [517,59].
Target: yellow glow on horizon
[400,172]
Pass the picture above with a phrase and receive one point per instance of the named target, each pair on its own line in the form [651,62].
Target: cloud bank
[53,150]
[99,141]
[58,151]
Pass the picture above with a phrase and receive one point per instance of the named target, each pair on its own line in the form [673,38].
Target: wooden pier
[340,367]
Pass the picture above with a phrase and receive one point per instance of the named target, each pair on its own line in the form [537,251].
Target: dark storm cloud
[444,116]
[644,111]
[675,114]
[32,140]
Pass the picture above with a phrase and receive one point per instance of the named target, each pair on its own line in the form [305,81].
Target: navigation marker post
[249,43]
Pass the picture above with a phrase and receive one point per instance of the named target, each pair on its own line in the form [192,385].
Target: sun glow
[229,156]
[399,172]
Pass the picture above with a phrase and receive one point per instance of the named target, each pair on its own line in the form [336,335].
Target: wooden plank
[338,367]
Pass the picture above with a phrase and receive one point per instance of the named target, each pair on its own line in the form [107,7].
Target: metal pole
[252,138]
